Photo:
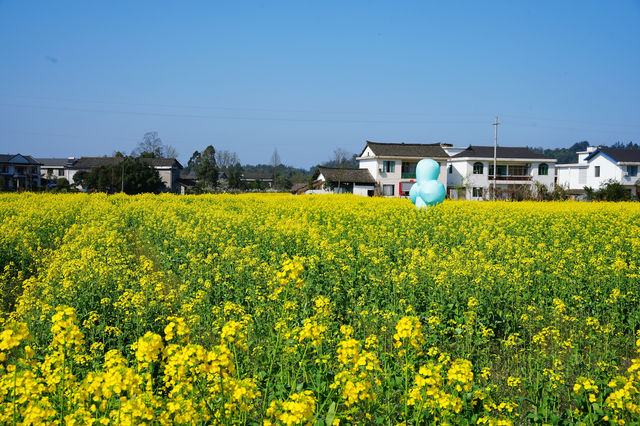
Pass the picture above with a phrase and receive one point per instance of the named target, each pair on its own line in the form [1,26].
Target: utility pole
[495,156]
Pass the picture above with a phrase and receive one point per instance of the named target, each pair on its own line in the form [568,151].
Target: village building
[467,173]
[597,166]
[259,180]
[518,169]
[56,168]
[343,180]
[168,168]
[393,165]
[19,172]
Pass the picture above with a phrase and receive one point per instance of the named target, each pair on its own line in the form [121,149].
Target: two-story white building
[467,173]
[393,165]
[471,174]
[596,166]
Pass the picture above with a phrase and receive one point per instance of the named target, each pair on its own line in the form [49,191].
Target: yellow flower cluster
[298,409]
[227,309]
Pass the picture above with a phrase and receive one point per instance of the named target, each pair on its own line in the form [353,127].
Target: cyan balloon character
[428,190]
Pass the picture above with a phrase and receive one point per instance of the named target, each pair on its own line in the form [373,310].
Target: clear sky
[89,78]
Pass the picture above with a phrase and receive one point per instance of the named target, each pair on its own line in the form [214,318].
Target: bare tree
[340,157]
[275,162]
[170,151]
[226,159]
[151,146]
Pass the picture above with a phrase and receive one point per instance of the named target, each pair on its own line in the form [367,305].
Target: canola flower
[290,310]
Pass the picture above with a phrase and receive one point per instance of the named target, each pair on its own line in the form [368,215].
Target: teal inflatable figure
[427,191]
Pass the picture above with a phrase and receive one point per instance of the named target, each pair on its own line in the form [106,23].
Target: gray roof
[56,161]
[346,175]
[619,154]
[517,152]
[6,158]
[416,150]
[91,162]
[257,176]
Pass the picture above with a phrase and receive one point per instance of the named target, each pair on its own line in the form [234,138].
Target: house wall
[609,169]
[371,164]
[362,189]
[573,176]
[167,177]
[374,165]
[463,176]
[66,173]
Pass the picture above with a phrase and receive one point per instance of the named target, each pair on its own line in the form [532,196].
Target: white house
[355,181]
[471,173]
[19,172]
[54,168]
[393,165]
[596,166]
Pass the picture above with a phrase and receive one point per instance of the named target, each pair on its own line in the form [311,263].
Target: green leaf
[331,414]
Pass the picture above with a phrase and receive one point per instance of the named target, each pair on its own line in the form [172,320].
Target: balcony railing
[408,175]
[520,178]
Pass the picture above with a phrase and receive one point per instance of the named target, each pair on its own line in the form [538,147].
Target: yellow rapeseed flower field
[278,309]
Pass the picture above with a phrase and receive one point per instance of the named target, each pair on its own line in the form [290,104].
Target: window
[517,170]
[543,169]
[387,190]
[597,171]
[450,168]
[409,170]
[60,172]
[388,166]
[405,187]
[632,170]
[478,168]
[477,192]
[502,170]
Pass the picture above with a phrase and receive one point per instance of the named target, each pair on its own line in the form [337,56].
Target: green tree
[234,175]
[206,168]
[131,174]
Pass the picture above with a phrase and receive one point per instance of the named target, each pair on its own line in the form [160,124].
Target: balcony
[517,178]
[408,175]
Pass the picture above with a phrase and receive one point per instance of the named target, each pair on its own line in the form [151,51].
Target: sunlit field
[278,309]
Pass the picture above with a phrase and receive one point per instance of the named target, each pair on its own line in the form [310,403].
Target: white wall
[362,189]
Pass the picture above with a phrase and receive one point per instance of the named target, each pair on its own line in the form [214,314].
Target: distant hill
[569,155]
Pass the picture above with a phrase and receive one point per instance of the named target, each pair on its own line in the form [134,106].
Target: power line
[229,117]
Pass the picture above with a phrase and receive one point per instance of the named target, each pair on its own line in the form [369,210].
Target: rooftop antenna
[495,155]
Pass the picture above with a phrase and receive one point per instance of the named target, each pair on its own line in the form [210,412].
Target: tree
[234,176]
[612,190]
[191,164]
[151,146]
[275,162]
[206,168]
[62,183]
[170,152]
[132,175]
[339,159]
[226,159]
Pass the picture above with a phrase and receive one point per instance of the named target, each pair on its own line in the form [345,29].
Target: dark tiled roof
[417,150]
[56,161]
[257,176]
[346,175]
[619,154]
[6,158]
[91,162]
[501,152]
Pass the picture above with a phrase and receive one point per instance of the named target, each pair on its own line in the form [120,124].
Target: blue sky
[89,78]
